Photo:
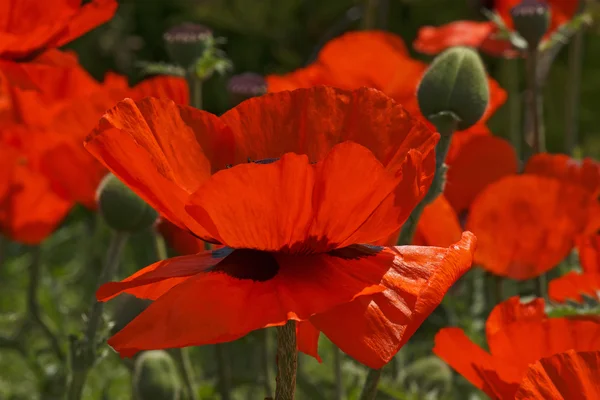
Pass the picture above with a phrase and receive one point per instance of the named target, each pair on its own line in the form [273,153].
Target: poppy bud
[187,42]
[122,209]
[531,19]
[155,377]
[455,83]
[244,86]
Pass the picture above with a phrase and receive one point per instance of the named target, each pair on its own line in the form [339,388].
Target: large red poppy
[293,226]
[433,40]
[373,59]
[29,27]
[527,224]
[518,335]
[570,375]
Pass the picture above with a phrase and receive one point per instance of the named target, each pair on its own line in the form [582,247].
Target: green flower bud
[155,377]
[187,42]
[455,83]
[531,19]
[122,209]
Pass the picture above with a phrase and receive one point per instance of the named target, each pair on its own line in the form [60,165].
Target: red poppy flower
[569,375]
[574,284]
[527,224]
[32,26]
[474,162]
[373,59]
[293,226]
[518,336]
[433,40]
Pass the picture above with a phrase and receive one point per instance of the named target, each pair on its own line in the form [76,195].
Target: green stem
[265,361]
[510,78]
[370,388]
[497,289]
[370,14]
[339,377]
[223,371]
[573,92]
[84,353]
[287,361]
[541,288]
[195,85]
[534,105]
[181,354]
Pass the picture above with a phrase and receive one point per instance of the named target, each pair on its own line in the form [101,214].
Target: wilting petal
[157,279]
[585,173]
[571,375]
[527,224]
[513,310]
[479,162]
[588,247]
[294,206]
[307,337]
[250,290]
[573,285]
[415,284]
[311,121]
[154,147]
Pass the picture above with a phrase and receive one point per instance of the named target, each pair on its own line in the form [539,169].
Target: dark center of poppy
[249,264]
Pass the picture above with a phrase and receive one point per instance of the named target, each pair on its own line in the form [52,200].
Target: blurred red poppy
[32,26]
[518,335]
[293,225]
[570,375]
[374,59]
[584,172]
[433,40]
[527,224]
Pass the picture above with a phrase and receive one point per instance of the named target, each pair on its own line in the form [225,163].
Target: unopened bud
[187,42]
[155,377]
[122,209]
[531,19]
[247,85]
[455,84]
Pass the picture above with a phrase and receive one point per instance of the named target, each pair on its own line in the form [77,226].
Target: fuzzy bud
[122,209]
[531,19]
[187,42]
[455,83]
[155,377]
[244,86]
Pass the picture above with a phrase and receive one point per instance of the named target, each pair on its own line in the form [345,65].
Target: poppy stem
[83,352]
[370,389]
[223,371]
[287,361]
[535,129]
[370,14]
[339,377]
[510,75]
[195,84]
[573,92]
[181,354]
[265,360]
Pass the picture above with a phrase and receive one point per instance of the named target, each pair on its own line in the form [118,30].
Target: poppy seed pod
[122,209]
[247,85]
[456,83]
[187,42]
[155,377]
[531,19]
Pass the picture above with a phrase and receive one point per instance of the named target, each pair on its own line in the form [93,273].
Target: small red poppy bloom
[527,224]
[31,26]
[433,40]
[518,335]
[373,59]
[293,227]
[569,375]
[585,173]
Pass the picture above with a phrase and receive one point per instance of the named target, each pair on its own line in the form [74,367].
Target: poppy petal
[415,284]
[253,290]
[588,247]
[560,166]
[88,17]
[162,87]
[573,285]
[182,241]
[570,375]
[157,279]
[479,162]
[153,146]
[513,310]
[538,220]
[307,337]
[438,226]
[433,40]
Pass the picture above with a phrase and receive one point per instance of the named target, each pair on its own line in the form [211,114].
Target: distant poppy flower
[527,224]
[518,335]
[292,226]
[569,375]
[433,40]
[373,59]
[573,284]
[32,26]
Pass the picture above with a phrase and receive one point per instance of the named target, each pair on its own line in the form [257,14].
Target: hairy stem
[287,361]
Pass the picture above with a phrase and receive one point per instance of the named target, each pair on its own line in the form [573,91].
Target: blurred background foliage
[263,36]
